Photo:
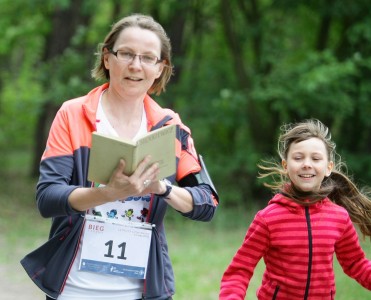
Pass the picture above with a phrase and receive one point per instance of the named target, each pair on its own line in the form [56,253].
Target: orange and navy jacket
[298,245]
[64,167]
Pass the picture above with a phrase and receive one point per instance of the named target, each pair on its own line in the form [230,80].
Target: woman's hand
[143,181]
[120,186]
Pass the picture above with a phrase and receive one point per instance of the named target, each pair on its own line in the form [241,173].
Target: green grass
[200,252]
[20,221]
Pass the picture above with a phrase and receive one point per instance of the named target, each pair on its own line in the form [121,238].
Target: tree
[57,43]
[242,69]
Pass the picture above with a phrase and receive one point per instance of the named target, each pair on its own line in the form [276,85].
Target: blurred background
[242,69]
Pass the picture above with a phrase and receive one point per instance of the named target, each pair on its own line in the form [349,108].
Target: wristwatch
[169,187]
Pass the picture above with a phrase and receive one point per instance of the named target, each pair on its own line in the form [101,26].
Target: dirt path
[14,284]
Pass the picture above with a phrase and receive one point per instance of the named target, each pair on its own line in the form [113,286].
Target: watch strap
[169,187]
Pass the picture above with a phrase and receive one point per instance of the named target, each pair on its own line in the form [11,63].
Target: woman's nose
[135,62]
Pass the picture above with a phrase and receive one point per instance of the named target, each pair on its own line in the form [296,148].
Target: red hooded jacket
[297,244]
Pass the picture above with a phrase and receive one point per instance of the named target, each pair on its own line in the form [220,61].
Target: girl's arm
[236,278]
[352,258]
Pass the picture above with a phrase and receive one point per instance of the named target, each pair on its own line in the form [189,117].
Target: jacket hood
[297,208]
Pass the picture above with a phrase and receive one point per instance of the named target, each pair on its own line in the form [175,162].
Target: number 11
[109,253]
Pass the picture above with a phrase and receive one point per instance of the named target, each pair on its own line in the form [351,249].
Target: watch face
[169,187]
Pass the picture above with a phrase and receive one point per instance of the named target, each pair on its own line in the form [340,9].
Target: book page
[160,144]
[105,154]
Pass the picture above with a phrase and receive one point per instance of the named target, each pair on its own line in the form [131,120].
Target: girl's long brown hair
[338,187]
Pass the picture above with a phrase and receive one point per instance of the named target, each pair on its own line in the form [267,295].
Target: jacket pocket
[269,290]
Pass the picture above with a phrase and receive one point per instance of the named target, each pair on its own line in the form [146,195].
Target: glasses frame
[134,56]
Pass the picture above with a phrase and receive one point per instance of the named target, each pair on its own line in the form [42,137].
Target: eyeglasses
[128,57]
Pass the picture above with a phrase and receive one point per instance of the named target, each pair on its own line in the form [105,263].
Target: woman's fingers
[121,166]
[147,170]
[139,182]
[143,166]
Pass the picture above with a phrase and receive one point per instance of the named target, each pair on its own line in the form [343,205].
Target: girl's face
[307,164]
[134,77]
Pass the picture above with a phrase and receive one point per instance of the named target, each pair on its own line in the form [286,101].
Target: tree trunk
[65,23]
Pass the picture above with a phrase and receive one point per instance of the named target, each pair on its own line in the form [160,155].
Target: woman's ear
[160,69]
[105,58]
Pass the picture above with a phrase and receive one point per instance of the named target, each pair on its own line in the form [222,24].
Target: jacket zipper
[74,256]
[310,254]
[275,292]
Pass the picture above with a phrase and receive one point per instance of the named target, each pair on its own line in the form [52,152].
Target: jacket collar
[155,113]
[296,207]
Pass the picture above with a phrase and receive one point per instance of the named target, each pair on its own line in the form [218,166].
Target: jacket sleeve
[237,276]
[205,200]
[56,171]
[352,258]
[204,203]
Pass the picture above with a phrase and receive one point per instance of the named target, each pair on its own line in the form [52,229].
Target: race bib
[115,247]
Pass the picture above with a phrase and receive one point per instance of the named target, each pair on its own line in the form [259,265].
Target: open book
[106,151]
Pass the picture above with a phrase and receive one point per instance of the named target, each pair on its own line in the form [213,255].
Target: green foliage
[66,81]
[241,71]
[15,134]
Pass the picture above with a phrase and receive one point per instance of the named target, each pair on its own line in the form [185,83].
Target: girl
[307,221]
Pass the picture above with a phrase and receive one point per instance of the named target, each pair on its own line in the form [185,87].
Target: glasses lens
[148,59]
[129,56]
[125,56]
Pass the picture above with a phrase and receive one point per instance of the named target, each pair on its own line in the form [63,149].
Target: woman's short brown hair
[145,22]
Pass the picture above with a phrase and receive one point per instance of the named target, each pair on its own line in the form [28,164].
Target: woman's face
[307,164]
[133,77]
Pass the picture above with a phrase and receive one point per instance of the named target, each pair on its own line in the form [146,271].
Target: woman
[304,225]
[135,60]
